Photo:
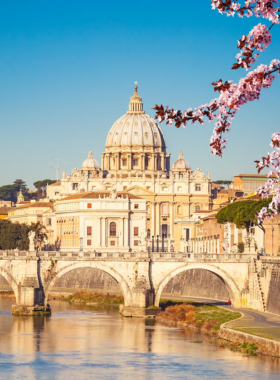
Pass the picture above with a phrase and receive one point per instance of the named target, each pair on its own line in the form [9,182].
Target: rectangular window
[89,231]
[93,188]
[197,188]
[148,187]
[124,187]
[89,205]
[88,242]
[135,231]
[113,242]
[56,193]
[136,206]
[135,162]
[75,186]
[180,188]
[135,243]
[124,162]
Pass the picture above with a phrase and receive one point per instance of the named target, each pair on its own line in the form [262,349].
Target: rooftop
[5,210]
[33,204]
[98,194]
[56,184]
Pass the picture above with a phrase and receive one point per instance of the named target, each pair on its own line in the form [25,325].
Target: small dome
[181,163]
[90,162]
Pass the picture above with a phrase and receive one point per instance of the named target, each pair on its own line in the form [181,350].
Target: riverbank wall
[266,346]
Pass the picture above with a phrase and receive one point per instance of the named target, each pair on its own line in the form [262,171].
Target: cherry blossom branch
[258,39]
[260,8]
[221,109]
[272,186]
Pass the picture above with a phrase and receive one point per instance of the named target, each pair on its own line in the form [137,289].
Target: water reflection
[78,342]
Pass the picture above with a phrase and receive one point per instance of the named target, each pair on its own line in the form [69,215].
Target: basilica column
[153,162]
[157,217]
[129,161]
[152,218]
[107,161]
[142,162]
[171,205]
[162,162]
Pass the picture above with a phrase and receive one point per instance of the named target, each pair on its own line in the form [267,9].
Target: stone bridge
[142,277]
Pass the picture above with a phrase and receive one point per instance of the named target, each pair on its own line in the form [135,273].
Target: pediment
[138,190]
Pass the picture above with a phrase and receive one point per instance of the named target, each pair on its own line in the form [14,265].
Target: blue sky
[67,70]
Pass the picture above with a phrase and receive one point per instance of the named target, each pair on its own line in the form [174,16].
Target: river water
[79,342]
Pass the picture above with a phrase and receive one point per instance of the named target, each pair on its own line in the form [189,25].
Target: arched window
[164,209]
[179,210]
[148,234]
[181,176]
[197,208]
[148,210]
[113,229]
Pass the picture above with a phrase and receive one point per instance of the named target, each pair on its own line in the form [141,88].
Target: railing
[144,255]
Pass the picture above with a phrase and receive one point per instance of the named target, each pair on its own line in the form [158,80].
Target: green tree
[10,192]
[13,235]
[41,187]
[242,213]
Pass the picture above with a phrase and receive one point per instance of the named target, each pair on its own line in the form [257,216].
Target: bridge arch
[106,268]
[12,282]
[229,282]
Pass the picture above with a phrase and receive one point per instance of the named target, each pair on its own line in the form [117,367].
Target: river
[79,342]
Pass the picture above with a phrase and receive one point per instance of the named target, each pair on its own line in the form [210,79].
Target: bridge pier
[30,299]
[142,304]
[30,302]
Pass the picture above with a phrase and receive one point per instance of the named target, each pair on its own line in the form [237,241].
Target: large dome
[136,129]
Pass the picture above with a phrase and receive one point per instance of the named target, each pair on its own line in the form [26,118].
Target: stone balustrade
[155,256]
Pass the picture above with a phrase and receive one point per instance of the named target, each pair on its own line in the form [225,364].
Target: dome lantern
[135,104]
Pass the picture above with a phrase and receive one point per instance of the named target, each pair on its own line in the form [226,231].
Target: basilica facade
[135,164]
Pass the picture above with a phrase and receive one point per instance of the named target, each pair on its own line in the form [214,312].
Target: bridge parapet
[145,255]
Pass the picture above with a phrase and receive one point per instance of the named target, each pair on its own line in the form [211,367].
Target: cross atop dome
[135,104]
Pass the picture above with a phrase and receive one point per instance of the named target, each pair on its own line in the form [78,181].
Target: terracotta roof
[95,195]
[56,184]
[253,175]
[23,202]
[36,204]
[5,210]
